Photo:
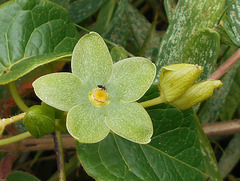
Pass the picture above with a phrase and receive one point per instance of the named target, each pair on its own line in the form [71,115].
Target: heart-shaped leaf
[33,33]
[179,150]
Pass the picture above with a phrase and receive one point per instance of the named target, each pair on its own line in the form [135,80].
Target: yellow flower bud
[196,94]
[176,79]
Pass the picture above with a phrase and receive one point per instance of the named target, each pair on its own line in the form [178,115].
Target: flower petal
[86,124]
[129,120]
[131,78]
[196,94]
[60,90]
[91,60]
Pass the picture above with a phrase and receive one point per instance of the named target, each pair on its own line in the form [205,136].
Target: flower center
[99,96]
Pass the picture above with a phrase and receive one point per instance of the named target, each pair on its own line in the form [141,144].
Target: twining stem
[16,97]
[226,66]
[152,102]
[60,155]
[7,121]
[14,138]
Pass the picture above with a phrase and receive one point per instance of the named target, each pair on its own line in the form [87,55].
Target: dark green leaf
[21,176]
[189,18]
[140,27]
[170,6]
[33,33]
[225,39]
[104,16]
[117,30]
[175,152]
[203,49]
[81,9]
[118,53]
[230,22]
[211,109]
[63,3]
[23,66]
[230,157]
[232,100]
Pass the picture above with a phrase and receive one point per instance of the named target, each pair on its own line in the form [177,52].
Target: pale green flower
[100,96]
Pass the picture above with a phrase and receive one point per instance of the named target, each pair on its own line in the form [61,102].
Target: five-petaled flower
[100,96]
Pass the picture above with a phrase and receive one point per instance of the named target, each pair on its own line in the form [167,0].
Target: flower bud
[176,79]
[196,94]
[40,120]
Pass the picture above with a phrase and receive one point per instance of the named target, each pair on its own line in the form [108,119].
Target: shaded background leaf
[188,19]
[21,176]
[210,110]
[33,28]
[230,21]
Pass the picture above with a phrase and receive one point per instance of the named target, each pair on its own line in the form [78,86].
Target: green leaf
[3,1]
[33,28]
[60,90]
[24,66]
[175,152]
[86,123]
[21,176]
[118,53]
[91,60]
[170,6]
[129,120]
[117,30]
[232,100]
[231,22]
[225,39]
[81,9]
[131,78]
[208,154]
[40,120]
[189,19]
[139,27]
[104,16]
[211,109]
[203,49]
[230,157]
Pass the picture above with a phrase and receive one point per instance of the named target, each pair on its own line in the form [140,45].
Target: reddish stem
[226,66]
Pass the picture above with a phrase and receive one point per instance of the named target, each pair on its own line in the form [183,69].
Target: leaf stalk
[16,96]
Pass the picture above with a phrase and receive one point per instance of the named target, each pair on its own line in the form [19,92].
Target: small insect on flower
[102,87]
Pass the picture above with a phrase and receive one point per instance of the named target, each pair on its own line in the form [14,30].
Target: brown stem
[46,142]
[225,66]
[60,155]
[222,128]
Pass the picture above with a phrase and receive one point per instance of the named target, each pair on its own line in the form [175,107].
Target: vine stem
[69,167]
[6,121]
[152,102]
[16,96]
[14,138]
[60,155]
[226,66]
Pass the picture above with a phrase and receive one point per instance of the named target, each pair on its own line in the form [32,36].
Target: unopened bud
[196,94]
[176,79]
